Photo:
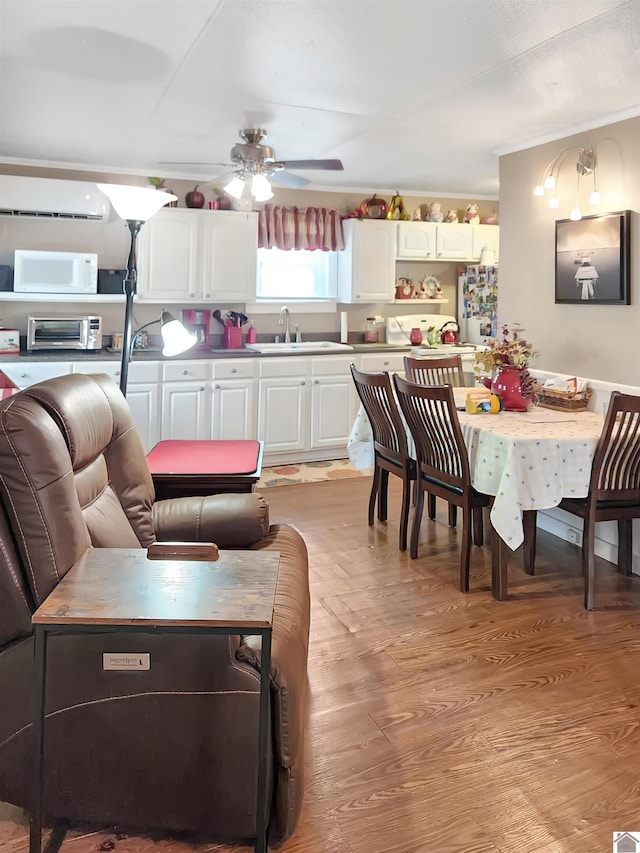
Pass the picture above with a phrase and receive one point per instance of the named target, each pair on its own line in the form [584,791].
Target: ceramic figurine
[435,212]
[417,215]
[452,216]
[471,216]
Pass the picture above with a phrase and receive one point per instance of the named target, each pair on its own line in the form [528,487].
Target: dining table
[527,461]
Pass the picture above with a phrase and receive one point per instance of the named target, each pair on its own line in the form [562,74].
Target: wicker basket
[562,401]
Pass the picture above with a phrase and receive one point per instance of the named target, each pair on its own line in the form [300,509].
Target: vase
[509,384]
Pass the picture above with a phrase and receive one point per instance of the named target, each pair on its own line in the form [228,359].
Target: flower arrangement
[509,350]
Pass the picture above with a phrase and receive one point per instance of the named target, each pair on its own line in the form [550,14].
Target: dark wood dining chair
[442,460]
[446,370]
[391,452]
[614,487]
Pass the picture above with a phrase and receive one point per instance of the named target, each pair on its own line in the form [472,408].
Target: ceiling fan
[253,163]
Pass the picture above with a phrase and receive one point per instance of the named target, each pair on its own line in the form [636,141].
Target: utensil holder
[232,337]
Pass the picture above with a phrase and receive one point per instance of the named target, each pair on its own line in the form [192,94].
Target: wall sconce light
[585,165]
[135,205]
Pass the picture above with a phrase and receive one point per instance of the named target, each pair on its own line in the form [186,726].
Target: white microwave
[55,272]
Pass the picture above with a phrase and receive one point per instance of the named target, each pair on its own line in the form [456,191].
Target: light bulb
[575,213]
[235,187]
[549,183]
[539,190]
[554,202]
[261,188]
[594,198]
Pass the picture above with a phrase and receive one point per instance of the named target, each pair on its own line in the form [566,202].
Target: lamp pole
[130,287]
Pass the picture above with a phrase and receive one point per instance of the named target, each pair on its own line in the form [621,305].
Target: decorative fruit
[224,202]
[396,208]
[194,198]
[374,207]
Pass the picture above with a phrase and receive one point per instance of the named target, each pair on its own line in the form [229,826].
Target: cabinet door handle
[192,295]
[185,372]
[117,373]
[23,375]
[303,382]
[386,363]
[216,386]
[316,381]
[202,387]
[207,296]
[234,369]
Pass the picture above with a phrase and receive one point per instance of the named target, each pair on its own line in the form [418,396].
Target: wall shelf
[421,301]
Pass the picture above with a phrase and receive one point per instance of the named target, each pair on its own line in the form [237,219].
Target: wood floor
[442,722]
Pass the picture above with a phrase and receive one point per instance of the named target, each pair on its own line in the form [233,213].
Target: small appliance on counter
[60,333]
[9,341]
[198,321]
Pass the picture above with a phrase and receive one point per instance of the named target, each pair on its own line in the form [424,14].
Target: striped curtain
[308,228]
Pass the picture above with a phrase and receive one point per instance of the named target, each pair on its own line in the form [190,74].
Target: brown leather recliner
[174,747]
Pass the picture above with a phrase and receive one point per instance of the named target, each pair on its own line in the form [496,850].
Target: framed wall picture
[592,259]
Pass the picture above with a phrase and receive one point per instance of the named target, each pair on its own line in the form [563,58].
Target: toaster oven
[60,333]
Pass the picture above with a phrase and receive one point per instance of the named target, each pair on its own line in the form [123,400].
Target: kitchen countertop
[191,355]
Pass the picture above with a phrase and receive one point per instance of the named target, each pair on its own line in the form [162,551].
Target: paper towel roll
[344,332]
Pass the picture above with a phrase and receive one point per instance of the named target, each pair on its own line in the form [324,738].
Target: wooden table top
[121,586]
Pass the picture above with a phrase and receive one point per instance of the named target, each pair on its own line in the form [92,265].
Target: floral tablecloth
[527,460]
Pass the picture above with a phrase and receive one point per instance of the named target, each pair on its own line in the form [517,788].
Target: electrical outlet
[126,661]
[574,536]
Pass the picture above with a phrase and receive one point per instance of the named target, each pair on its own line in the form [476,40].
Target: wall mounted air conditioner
[50,198]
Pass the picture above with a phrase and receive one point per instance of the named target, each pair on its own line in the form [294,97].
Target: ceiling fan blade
[286,179]
[333,165]
[192,163]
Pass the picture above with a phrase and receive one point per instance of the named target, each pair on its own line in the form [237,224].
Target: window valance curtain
[307,228]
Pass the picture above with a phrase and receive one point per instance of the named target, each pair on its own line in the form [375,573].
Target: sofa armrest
[231,521]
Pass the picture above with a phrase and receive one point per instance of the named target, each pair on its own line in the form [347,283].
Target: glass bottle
[371,331]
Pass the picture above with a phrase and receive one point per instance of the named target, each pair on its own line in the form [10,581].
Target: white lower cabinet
[306,407]
[185,400]
[283,404]
[333,402]
[233,399]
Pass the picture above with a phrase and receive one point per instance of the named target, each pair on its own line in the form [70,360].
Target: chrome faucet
[284,321]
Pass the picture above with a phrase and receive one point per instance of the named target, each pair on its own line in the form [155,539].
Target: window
[296,275]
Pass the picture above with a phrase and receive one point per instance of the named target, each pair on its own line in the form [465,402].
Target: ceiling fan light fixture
[261,188]
[235,187]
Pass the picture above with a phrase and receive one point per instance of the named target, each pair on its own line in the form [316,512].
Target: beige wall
[598,341]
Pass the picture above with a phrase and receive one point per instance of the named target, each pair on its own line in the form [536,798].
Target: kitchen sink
[299,347]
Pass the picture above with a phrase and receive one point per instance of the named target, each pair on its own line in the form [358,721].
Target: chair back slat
[615,475]
[446,370]
[377,397]
[433,421]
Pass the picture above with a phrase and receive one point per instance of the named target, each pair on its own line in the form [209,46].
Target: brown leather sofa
[174,747]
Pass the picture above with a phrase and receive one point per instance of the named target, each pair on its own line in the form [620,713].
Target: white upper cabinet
[366,267]
[198,256]
[485,235]
[453,242]
[230,254]
[417,240]
[445,241]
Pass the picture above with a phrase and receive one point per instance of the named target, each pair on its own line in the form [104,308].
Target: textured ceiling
[415,95]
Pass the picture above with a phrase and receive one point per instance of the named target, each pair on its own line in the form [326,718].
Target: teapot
[404,288]
[449,332]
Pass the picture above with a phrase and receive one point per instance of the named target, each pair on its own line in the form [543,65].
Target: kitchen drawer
[331,365]
[187,370]
[377,362]
[138,371]
[29,373]
[229,368]
[283,365]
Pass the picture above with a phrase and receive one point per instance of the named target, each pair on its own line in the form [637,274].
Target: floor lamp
[135,205]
